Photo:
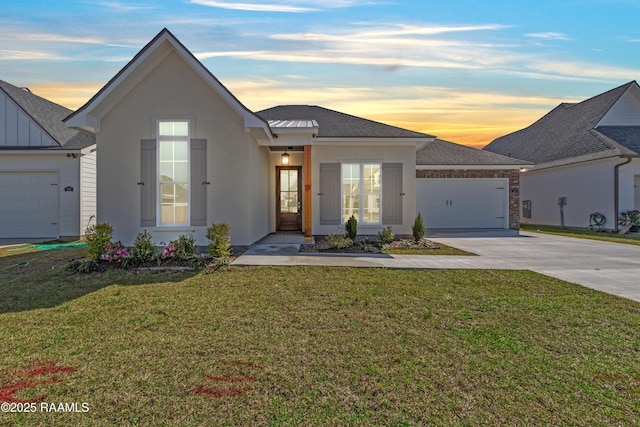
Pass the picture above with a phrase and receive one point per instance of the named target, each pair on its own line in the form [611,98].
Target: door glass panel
[289,191]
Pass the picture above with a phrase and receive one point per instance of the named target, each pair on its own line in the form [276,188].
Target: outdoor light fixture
[285,159]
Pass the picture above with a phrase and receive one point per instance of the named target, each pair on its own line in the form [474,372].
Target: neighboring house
[461,187]
[586,153]
[179,152]
[47,171]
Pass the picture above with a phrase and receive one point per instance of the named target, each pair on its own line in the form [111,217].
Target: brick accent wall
[512,175]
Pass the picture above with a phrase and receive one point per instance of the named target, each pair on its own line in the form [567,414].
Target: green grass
[628,239]
[335,346]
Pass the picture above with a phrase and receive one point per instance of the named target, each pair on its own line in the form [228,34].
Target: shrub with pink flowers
[114,252]
[169,251]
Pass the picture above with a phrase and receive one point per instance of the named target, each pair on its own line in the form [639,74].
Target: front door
[288,198]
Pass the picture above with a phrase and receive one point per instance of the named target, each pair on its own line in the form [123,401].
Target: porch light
[285,159]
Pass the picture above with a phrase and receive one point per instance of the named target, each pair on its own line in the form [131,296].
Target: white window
[173,172]
[361,188]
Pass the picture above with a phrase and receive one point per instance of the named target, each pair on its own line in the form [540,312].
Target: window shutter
[392,193]
[147,182]
[329,194]
[199,182]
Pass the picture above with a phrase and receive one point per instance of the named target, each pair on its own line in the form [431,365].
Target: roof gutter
[616,188]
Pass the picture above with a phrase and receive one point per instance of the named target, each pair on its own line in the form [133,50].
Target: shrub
[418,228]
[218,235]
[78,266]
[629,217]
[98,236]
[114,252]
[185,247]
[337,241]
[351,228]
[385,236]
[143,248]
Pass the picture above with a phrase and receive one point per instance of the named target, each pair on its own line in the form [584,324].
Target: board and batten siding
[88,190]
[17,129]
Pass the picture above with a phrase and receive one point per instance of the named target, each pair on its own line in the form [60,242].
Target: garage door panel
[28,204]
[462,203]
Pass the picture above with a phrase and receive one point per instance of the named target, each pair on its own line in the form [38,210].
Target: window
[173,172]
[361,192]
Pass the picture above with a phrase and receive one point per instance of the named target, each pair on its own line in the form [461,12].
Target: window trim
[160,138]
[361,165]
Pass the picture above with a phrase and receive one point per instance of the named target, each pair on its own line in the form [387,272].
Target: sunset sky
[465,70]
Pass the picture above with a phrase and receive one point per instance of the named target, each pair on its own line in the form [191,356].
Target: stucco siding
[588,188]
[68,171]
[369,154]
[173,91]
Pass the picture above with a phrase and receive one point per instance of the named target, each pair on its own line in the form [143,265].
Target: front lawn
[317,346]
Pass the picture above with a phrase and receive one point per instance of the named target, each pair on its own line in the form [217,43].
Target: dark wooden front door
[288,198]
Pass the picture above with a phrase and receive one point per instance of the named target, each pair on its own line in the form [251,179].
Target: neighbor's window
[361,192]
[173,171]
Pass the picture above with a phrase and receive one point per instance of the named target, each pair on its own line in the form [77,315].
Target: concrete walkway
[609,267]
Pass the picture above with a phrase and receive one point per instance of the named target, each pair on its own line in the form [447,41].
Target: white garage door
[28,204]
[463,203]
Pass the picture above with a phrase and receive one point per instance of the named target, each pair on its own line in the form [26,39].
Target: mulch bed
[322,245]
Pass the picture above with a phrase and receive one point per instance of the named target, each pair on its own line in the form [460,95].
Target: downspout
[616,190]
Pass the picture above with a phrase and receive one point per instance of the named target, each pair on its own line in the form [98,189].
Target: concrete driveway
[609,267]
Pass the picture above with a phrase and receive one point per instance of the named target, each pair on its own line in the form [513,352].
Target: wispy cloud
[119,6]
[255,7]
[549,36]
[30,55]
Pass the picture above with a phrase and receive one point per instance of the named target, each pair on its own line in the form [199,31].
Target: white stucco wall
[344,153]
[589,187]
[68,170]
[172,90]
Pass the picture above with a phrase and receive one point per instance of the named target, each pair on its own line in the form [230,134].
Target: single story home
[178,152]
[587,160]
[47,170]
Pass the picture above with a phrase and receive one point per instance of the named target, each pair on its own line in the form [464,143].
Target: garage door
[28,204]
[463,203]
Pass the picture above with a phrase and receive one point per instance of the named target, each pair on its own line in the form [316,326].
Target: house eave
[472,167]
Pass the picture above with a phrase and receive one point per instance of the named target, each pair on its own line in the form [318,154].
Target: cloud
[549,36]
[119,6]
[30,55]
[254,7]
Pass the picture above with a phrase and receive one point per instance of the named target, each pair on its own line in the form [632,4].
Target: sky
[467,71]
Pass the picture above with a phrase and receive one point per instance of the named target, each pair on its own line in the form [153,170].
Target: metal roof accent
[302,124]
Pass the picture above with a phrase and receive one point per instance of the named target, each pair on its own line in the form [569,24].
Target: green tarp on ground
[51,247]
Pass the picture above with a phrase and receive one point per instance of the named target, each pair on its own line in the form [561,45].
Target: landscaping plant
[418,228]
[351,228]
[98,237]
[218,235]
[143,248]
[386,236]
[185,247]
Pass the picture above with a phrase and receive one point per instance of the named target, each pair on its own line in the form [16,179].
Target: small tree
[218,235]
[143,248]
[98,237]
[418,228]
[351,228]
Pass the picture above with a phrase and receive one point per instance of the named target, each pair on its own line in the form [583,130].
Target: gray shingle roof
[333,124]
[49,116]
[440,152]
[567,132]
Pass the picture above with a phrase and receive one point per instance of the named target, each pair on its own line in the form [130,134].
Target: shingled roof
[48,115]
[333,124]
[441,152]
[568,133]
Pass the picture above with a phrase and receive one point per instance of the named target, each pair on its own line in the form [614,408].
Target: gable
[626,110]
[18,129]
[89,116]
